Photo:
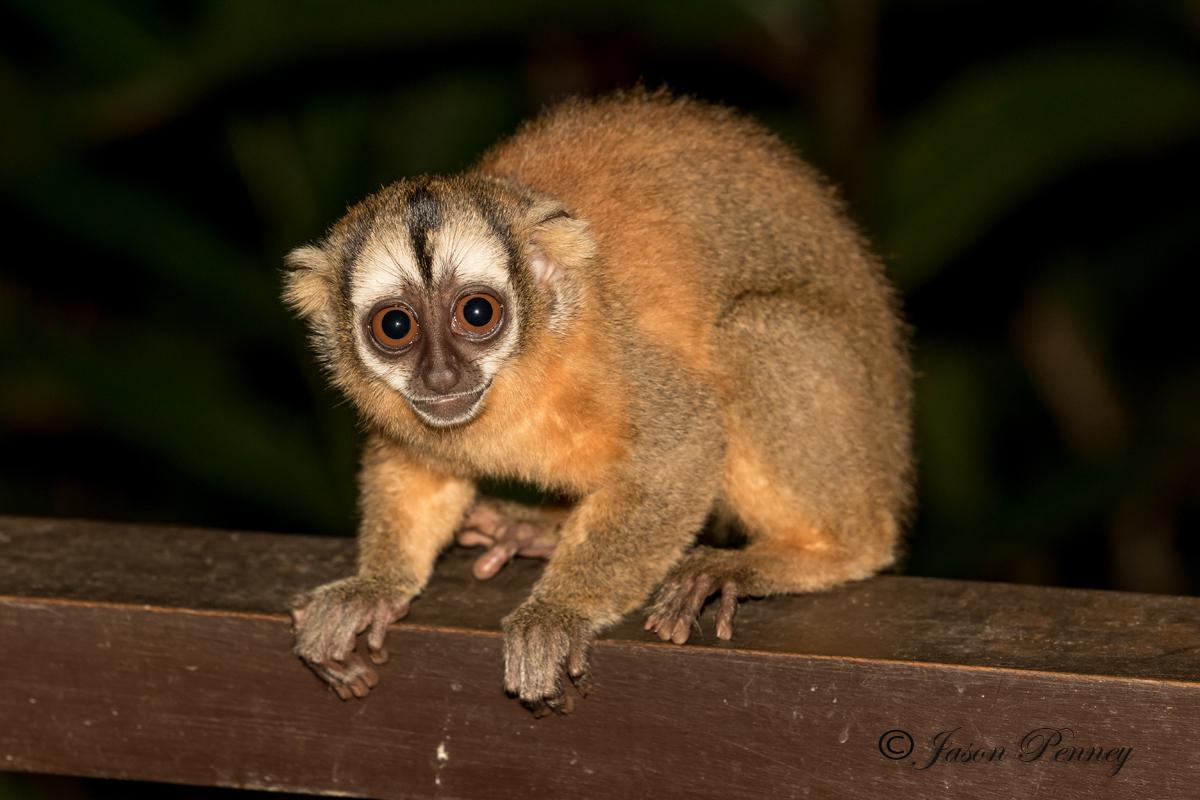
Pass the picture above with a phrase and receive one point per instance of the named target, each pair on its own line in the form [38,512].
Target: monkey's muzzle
[450,409]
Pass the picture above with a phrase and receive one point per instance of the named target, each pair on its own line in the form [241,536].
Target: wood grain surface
[164,654]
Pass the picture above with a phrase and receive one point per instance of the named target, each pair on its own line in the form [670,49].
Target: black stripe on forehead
[500,228]
[423,215]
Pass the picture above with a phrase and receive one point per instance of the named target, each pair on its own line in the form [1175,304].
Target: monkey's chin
[449,410]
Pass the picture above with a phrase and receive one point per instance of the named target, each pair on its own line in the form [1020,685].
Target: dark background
[1028,170]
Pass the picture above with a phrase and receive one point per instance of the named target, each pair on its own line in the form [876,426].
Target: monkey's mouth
[444,410]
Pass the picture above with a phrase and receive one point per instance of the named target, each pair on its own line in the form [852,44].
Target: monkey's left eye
[394,327]
[477,314]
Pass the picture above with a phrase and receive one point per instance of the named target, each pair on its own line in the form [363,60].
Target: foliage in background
[1027,177]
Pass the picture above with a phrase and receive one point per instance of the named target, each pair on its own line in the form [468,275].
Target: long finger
[474,537]
[491,562]
[375,640]
[726,610]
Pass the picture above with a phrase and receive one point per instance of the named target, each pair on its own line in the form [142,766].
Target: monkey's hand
[542,643]
[508,530]
[327,621]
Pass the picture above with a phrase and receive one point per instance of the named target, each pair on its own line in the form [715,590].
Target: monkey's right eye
[394,327]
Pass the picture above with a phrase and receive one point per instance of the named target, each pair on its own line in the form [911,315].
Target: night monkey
[644,303]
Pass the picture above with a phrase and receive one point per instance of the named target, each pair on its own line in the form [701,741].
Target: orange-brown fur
[651,248]
[715,338]
[557,424]
[389,482]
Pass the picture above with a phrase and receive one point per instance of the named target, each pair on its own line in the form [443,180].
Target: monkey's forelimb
[409,513]
[617,545]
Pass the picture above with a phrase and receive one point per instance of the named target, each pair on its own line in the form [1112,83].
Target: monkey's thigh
[815,459]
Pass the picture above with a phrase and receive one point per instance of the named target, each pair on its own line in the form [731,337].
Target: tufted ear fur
[308,283]
[557,242]
[558,245]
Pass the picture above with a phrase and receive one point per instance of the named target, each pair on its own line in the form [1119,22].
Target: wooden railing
[164,654]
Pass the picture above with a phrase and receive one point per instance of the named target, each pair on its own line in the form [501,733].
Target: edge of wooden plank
[888,618]
[214,697]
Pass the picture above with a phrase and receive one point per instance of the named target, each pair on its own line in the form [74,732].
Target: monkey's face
[435,314]
[430,287]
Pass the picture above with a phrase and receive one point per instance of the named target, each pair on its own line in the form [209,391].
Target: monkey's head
[425,291]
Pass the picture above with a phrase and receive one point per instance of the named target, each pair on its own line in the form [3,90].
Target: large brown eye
[394,327]
[478,314]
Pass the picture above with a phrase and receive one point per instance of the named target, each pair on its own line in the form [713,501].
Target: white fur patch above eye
[463,251]
[384,269]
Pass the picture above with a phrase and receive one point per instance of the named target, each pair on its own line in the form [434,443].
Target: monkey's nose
[441,378]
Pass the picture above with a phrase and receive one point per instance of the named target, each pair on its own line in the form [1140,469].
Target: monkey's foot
[328,620]
[542,643]
[681,597]
[508,530]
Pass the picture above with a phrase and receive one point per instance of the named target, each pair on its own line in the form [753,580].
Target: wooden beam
[164,654]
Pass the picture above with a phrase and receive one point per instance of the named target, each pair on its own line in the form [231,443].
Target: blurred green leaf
[231,41]
[268,156]
[96,40]
[179,399]
[444,124]
[19,787]
[1000,133]
[954,402]
[169,242]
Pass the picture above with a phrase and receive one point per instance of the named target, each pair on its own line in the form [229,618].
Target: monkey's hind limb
[816,470]
[509,529]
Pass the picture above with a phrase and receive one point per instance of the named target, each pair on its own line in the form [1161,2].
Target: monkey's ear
[308,283]
[558,242]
